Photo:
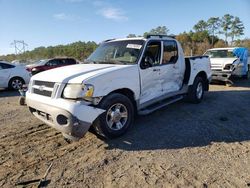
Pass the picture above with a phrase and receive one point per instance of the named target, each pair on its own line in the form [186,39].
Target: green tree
[214,24]
[220,44]
[79,50]
[186,42]
[200,36]
[226,24]
[201,26]
[160,30]
[243,43]
[131,36]
[237,28]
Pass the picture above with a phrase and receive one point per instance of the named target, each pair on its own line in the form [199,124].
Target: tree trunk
[226,38]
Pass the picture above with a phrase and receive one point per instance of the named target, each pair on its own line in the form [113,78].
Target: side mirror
[147,62]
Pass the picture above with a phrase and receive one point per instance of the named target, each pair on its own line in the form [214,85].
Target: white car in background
[13,76]
[224,60]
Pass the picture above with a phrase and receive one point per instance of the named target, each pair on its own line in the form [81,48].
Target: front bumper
[221,75]
[71,118]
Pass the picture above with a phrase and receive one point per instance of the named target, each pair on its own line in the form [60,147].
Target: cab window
[152,55]
[170,52]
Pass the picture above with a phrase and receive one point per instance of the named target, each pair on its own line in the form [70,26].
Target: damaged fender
[71,118]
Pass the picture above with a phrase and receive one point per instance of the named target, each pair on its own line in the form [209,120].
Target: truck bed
[190,63]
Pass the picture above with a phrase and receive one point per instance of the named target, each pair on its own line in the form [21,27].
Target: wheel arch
[203,75]
[100,127]
[128,93]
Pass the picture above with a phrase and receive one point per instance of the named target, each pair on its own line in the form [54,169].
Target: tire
[16,83]
[247,76]
[196,91]
[112,124]
[21,101]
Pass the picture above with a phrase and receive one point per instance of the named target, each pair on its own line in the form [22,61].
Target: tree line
[214,32]
[228,25]
[79,50]
[207,34]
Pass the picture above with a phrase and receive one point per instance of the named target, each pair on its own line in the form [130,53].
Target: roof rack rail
[160,36]
[108,40]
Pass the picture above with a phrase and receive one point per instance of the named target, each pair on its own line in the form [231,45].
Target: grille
[43,88]
[44,93]
[216,67]
[43,83]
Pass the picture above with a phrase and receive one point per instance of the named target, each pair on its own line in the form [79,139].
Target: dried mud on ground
[183,145]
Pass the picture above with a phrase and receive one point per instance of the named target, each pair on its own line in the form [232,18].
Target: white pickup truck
[226,62]
[122,77]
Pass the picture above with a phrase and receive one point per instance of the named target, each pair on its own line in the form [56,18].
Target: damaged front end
[54,106]
[238,67]
[73,121]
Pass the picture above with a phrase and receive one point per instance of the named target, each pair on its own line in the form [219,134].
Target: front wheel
[196,91]
[117,118]
[22,101]
[16,83]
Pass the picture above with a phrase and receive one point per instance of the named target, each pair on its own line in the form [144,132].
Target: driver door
[150,68]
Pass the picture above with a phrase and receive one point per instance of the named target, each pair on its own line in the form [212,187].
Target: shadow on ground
[237,82]
[223,116]
[8,93]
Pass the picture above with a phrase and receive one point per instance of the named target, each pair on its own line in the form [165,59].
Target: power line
[19,46]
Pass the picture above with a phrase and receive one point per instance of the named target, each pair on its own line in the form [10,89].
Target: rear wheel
[16,83]
[196,91]
[118,117]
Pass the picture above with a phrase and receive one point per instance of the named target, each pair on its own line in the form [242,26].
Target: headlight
[78,91]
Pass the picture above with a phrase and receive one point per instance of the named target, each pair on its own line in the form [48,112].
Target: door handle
[156,70]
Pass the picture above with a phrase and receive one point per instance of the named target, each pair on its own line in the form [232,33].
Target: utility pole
[19,46]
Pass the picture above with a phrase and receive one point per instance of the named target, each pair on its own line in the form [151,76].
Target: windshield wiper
[106,62]
[90,62]
[110,62]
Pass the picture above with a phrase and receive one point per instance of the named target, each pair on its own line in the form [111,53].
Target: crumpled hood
[76,73]
[219,63]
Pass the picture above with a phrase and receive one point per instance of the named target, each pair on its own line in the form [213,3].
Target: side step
[159,105]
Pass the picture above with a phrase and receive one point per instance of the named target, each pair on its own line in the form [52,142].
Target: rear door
[5,71]
[172,67]
[150,68]
[69,61]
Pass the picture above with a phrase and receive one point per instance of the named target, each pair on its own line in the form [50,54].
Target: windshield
[117,52]
[220,54]
[41,62]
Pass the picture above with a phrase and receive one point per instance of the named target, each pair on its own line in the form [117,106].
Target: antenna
[19,46]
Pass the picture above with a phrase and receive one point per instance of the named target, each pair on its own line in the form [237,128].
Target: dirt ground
[183,145]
